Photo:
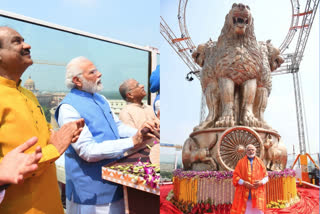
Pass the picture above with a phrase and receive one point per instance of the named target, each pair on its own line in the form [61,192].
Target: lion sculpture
[236,73]
[236,81]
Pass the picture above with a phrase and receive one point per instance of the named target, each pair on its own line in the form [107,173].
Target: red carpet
[166,207]
[308,204]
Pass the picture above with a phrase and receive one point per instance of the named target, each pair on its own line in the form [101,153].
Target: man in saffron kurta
[21,118]
[249,178]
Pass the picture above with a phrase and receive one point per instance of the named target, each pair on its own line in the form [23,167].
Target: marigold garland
[281,190]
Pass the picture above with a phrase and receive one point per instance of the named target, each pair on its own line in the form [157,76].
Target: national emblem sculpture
[236,82]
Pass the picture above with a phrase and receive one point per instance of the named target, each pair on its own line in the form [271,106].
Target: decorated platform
[139,178]
[129,180]
[308,203]
[192,190]
[281,189]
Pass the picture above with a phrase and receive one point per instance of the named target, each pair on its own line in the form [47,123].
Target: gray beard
[91,87]
[251,156]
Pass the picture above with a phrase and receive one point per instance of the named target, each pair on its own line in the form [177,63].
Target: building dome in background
[29,84]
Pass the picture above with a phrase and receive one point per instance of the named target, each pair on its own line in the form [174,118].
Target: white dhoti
[251,210]
[116,207]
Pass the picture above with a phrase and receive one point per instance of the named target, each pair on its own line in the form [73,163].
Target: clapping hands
[16,163]
[68,133]
[149,129]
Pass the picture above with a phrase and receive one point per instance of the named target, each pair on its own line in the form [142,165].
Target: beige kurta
[135,115]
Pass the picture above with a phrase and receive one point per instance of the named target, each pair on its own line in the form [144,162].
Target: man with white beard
[249,178]
[98,145]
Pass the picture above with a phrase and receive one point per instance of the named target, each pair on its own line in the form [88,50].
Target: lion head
[238,23]
[199,54]
[239,18]
[274,57]
[203,51]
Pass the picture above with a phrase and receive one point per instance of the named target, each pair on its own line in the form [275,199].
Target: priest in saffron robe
[249,178]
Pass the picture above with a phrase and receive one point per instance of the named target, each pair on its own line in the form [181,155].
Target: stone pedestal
[220,149]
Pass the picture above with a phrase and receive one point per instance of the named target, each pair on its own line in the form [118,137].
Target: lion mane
[236,56]
[216,57]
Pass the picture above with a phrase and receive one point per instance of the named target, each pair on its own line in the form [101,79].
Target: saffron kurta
[21,118]
[243,171]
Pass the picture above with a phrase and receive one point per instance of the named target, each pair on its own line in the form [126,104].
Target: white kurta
[93,152]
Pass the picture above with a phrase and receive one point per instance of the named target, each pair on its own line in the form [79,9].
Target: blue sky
[135,22]
[181,99]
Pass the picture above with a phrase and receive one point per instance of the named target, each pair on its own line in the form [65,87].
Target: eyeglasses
[137,86]
[91,72]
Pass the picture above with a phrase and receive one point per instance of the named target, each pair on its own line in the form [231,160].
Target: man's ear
[129,96]
[77,81]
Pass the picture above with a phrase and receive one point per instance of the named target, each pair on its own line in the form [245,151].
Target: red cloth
[308,204]
[166,207]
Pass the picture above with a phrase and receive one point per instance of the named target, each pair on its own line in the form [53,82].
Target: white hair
[124,88]
[247,147]
[73,70]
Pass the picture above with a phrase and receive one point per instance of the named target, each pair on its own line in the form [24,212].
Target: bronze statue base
[220,149]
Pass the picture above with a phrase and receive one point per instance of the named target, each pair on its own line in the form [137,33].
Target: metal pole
[176,161]
[299,111]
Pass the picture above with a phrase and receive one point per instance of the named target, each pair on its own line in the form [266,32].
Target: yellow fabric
[243,171]
[21,118]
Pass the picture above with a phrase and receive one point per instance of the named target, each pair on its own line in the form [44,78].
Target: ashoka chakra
[232,144]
